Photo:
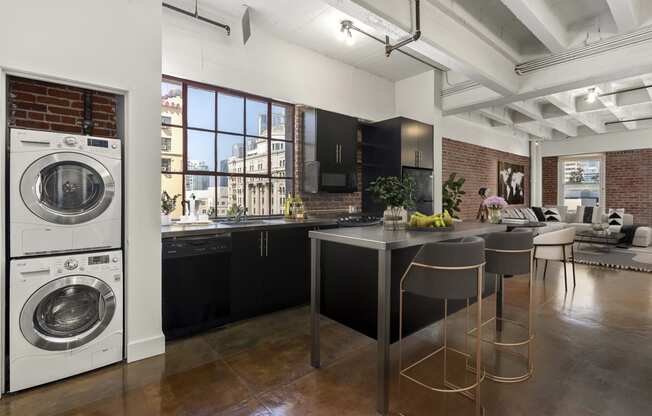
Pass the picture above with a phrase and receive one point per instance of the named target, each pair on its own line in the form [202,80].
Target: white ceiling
[518,29]
[313,25]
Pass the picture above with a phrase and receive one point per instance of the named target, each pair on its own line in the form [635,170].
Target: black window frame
[269,177]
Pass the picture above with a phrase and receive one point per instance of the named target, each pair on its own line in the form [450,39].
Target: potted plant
[396,195]
[494,205]
[452,194]
[168,205]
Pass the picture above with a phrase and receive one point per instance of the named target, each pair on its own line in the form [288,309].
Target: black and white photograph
[511,182]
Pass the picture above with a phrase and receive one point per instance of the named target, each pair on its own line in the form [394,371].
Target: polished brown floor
[593,356]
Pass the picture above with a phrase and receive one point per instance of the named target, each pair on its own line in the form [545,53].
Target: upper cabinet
[416,144]
[330,143]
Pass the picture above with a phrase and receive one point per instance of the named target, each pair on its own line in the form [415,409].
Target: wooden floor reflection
[592,354]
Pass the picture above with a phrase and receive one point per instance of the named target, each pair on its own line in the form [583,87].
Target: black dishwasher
[196,274]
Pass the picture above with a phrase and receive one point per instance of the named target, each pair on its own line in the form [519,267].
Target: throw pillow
[538,211]
[615,216]
[552,215]
[530,215]
[587,217]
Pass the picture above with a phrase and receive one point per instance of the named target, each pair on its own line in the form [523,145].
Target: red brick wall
[479,165]
[629,183]
[549,172]
[323,203]
[53,107]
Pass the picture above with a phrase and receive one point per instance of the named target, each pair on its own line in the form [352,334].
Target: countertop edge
[178,230]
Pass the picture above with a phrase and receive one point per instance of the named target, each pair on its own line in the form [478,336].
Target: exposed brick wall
[549,172]
[479,165]
[54,107]
[629,183]
[323,203]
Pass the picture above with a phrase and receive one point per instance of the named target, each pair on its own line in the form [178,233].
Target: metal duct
[615,42]
[460,87]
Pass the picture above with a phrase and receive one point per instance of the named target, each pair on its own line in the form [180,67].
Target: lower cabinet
[268,271]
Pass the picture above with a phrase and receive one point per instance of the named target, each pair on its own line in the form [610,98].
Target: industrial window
[225,148]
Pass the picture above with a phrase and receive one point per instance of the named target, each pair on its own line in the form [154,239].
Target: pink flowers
[495,202]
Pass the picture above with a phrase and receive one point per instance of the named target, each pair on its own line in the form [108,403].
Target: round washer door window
[67,313]
[67,188]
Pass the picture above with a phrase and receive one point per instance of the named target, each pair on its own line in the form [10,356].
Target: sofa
[571,219]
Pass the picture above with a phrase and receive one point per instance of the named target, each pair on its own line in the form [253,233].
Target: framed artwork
[511,182]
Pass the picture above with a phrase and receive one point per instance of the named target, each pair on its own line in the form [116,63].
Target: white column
[437,122]
[536,181]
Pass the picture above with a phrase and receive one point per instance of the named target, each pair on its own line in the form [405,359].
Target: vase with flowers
[495,205]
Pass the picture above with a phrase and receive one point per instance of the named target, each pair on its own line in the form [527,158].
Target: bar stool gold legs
[471,391]
[524,339]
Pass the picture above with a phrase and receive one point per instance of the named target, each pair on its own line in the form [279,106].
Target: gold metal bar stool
[509,254]
[446,271]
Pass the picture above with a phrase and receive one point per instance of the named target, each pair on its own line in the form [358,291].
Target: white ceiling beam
[503,116]
[647,80]
[537,16]
[611,103]
[443,40]
[625,14]
[566,103]
[532,109]
[632,61]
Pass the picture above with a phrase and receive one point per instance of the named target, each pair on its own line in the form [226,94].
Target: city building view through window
[222,148]
[582,184]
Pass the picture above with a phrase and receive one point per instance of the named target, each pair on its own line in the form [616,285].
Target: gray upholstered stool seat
[510,254]
[446,270]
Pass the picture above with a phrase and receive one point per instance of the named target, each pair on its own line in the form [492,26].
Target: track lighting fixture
[592,95]
[345,33]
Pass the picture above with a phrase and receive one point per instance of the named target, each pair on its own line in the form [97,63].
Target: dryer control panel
[33,140]
[106,265]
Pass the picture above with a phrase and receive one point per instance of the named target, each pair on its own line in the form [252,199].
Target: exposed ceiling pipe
[602,46]
[197,16]
[417,32]
[347,24]
[644,87]
[629,120]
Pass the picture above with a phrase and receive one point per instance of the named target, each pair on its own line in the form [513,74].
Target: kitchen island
[390,253]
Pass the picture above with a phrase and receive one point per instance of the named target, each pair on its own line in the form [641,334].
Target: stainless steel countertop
[188,230]
[377,238]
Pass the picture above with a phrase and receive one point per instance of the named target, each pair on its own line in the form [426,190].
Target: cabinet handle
[337,153]
[261,244]
[266,243]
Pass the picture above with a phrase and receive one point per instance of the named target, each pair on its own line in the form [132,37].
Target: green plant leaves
[393,192]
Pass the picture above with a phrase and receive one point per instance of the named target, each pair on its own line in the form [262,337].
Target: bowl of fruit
[436,222]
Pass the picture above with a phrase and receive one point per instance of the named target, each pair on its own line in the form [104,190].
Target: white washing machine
[65,316]
[65,193]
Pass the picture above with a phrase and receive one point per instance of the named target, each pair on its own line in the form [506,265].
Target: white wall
[610,142]
[415,97]
[271,67]
[115,46]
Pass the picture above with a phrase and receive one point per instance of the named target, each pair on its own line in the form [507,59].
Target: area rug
[633,258]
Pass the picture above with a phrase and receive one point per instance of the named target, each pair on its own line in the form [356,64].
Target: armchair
[556,246]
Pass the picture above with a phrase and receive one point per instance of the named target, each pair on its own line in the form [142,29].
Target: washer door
[67,313]
[67,188]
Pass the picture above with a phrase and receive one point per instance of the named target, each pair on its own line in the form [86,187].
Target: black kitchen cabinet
[330,148]
[247,268]
[284,285]
[268,271]
[389,145]
[416,144]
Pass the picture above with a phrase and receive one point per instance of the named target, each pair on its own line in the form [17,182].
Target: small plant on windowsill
[168,205]
[396,195]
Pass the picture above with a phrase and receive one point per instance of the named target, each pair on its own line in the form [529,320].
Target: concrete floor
[592,356]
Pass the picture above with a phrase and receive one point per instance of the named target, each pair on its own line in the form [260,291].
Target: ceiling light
[345,34]
[592,95]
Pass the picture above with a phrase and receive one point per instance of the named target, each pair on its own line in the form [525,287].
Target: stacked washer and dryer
[65,281]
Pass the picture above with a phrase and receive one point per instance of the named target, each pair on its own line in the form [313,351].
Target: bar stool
[446,270]
[509,254]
